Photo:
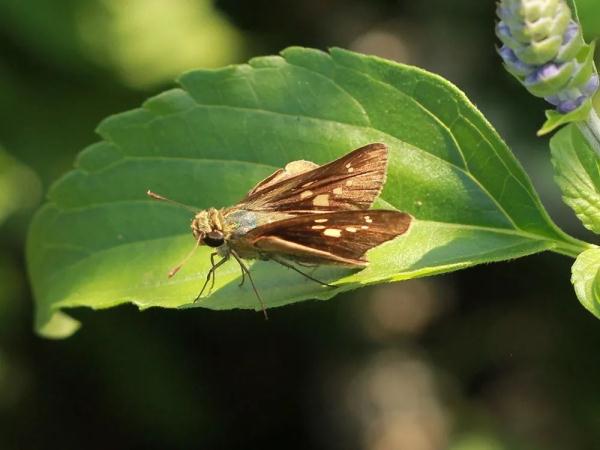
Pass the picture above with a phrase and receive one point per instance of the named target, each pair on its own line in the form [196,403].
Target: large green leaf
[100,242]
[577,172]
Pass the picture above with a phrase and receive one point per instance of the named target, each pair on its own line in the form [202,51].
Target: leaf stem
[570,246]
[591,130]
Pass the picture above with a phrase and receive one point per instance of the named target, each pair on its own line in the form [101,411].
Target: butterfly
[302,214]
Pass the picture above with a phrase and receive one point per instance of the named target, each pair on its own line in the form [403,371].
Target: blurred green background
[497,357]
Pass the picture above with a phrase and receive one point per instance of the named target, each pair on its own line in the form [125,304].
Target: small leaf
[100,242]
[554,119]
[586,279]
[577,172]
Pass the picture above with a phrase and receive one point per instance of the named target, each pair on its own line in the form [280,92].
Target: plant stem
[591,130]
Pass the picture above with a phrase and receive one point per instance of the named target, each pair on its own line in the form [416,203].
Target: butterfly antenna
[155,196]
[175,269]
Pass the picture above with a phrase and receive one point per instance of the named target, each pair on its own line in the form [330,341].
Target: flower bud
[543,48]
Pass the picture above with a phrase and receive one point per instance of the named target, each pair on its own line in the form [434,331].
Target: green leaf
[554,119]
[586,279]
[100,242]
[577,172]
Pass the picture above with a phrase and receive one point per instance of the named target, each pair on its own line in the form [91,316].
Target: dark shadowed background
[497,357]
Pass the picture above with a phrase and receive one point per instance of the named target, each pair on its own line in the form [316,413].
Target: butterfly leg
[245,269]
[212,265]
[211,273]
[243,277]
[283,262]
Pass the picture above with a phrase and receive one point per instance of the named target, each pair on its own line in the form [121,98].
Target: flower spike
[544,49]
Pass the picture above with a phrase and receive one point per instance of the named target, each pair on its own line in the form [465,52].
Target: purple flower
[570,105]
[571,32]
[502,30]
[507,54]
[543,73]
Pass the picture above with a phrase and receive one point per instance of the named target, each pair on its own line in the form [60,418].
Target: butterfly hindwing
[338,237]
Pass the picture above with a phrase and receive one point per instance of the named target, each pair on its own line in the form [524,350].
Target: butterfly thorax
[225,228]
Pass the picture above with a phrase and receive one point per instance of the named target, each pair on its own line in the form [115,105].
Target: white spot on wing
[351,229]
[321,220]
[337,191]
[332,232]
[318,227]
[364,227]
[349,183]
[368,219]
[321,200]
[305,194]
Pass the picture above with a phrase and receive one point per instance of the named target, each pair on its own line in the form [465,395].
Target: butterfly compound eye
[214,239]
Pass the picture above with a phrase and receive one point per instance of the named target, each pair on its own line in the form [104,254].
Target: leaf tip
[57,325]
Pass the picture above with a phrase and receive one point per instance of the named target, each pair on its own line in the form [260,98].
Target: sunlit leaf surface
[586,279]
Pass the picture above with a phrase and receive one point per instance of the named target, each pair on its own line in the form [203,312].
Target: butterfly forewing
[338,237]
[349,183]
[291,170]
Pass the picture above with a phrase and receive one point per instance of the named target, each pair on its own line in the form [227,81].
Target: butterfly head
[207,228]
